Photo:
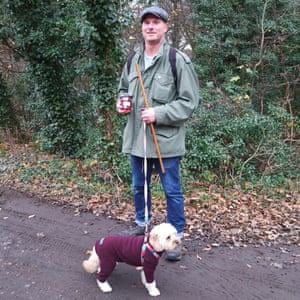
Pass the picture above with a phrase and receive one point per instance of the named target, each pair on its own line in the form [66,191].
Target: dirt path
[42,247]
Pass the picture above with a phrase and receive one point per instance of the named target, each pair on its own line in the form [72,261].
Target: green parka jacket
[173,103]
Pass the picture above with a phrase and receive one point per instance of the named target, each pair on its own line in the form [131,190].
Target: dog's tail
[91,265]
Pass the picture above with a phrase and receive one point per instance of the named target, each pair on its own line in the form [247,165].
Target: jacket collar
[140,48]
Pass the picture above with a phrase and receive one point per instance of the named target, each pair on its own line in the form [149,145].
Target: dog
[143,252]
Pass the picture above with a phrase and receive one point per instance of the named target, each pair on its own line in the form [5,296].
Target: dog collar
[146,246]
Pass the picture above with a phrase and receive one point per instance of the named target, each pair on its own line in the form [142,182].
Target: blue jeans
[171,184]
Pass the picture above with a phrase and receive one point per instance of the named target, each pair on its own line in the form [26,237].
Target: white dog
[136,251]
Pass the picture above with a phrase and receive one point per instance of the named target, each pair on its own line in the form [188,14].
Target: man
[171,103]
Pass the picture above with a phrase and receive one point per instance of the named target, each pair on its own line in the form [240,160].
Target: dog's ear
[154,236]
[153,239]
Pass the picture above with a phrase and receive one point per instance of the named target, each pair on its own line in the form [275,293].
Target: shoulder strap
[129,60]
[172,60]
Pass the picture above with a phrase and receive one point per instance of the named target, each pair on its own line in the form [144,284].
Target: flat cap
[155,11]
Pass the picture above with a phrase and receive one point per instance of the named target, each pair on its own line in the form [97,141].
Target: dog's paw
[104,286]
[152,289]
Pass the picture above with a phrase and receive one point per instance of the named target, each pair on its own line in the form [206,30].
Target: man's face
[154,29]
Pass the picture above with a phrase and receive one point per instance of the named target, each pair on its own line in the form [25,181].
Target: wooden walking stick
[151,124]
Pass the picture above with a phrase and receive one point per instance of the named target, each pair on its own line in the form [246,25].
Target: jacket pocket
[166,132]
[163,89]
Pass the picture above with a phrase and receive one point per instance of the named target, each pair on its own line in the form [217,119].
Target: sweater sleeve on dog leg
[150,264]
[106,268]
[149,268]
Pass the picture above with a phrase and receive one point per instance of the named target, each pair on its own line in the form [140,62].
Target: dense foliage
[8,119]
[246,54]
[72,57]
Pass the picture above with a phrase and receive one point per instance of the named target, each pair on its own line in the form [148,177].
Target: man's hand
[148,115]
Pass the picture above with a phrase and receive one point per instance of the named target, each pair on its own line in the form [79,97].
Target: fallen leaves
[233,217]
[40,235]
[207,248]
[225,216]
[183,267]
[277,265]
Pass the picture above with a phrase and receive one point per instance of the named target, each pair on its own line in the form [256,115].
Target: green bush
[237,146]
[7,113]
[72,56]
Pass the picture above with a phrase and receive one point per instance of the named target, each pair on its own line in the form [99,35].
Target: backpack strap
[172,60]
[129,60]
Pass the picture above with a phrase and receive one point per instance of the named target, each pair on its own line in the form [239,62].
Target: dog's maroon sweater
[124,249]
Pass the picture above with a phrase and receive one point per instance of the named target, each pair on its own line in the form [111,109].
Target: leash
[146,246]
[145,148]
[145,181]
